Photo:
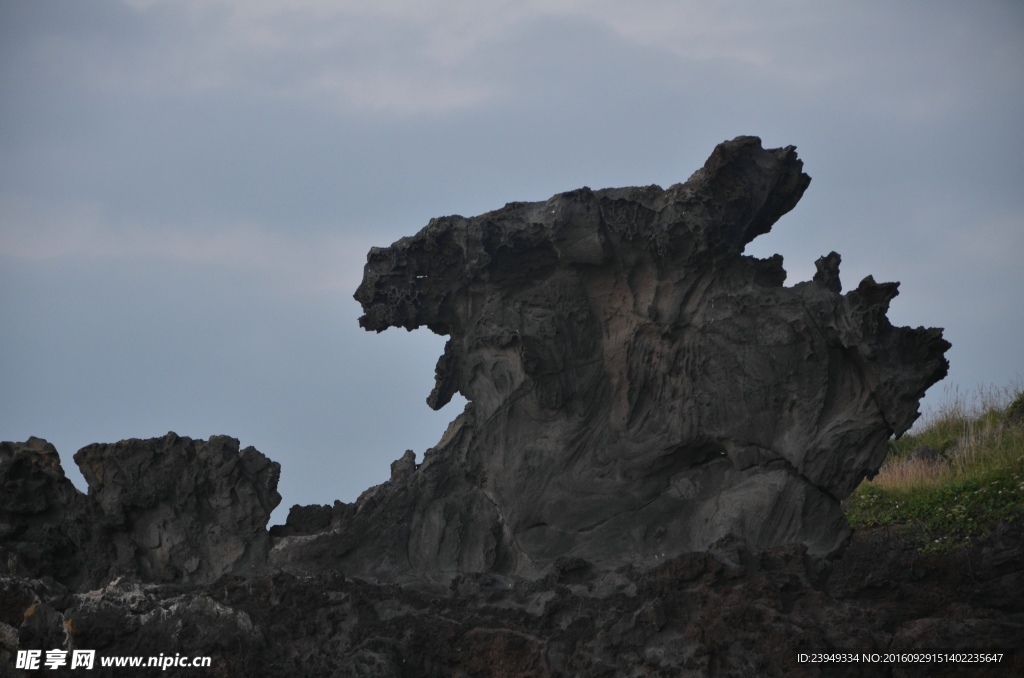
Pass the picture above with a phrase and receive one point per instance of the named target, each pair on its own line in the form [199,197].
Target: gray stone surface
[179,509]
[638,388]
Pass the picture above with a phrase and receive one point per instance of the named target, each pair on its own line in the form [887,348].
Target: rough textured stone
[160,510]
[730,612]
[637,387]
[177,509]
[45,522]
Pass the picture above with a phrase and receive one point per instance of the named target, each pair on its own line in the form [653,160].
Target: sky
[189,188]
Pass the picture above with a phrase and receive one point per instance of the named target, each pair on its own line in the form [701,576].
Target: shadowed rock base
[732,613]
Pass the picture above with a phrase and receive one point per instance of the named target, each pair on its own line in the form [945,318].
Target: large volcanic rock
[637,387]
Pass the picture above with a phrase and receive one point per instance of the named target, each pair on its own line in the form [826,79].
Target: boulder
[177,509]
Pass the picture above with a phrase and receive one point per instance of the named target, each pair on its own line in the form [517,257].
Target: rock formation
[169,509]
[646,479]
[638,388]
[45,522]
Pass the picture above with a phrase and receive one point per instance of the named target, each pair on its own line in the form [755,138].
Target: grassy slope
[975,480]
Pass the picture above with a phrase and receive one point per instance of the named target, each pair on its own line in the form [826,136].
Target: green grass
[976,481]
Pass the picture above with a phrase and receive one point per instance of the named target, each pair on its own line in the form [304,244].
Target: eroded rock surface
[46,524]
[180,509]
[168,509]
[638,387]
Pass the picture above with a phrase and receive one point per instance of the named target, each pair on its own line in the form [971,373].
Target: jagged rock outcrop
[168,509]
[638,388]
[46,524]
[183,509]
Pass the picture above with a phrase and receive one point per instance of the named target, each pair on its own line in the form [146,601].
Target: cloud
[408,58]
[401,58]
[910,61]
[299,262]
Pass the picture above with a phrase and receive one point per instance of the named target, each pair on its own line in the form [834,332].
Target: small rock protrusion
[404,467]
[828,272]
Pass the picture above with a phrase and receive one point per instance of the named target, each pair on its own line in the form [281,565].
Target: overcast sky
[188,189]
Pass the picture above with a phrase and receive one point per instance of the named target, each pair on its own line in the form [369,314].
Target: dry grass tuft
[957,474]
[904,473]
[972,436]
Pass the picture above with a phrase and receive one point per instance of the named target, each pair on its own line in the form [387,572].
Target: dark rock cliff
[645,482]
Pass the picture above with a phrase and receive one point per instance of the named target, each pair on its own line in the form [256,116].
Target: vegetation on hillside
[954,476]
